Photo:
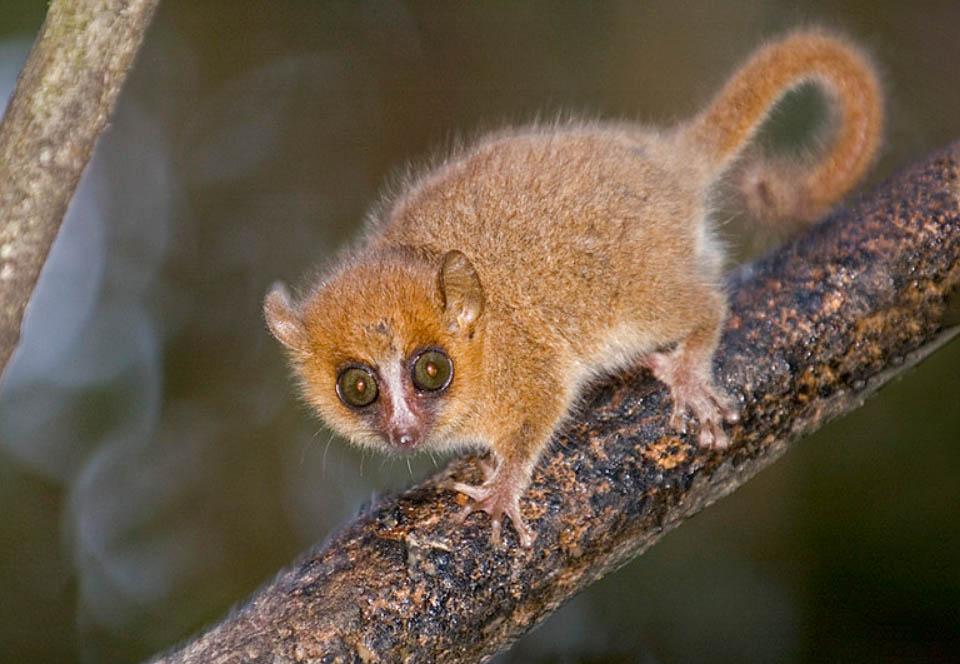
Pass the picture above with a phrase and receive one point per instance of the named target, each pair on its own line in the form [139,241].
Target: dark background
[155,464]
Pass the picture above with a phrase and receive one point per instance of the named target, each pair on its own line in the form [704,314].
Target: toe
[712,435]
[477,493]
[466,511]
[678,420]
[495,531]
[524,534]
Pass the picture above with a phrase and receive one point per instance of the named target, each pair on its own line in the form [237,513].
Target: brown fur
[540,257]
[778,189]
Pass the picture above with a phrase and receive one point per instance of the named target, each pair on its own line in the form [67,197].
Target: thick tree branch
[62,102]
[813,329]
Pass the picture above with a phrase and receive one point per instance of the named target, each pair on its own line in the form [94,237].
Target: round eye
[357,387]
[432,370]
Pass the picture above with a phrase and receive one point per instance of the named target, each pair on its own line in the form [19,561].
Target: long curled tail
[778,189]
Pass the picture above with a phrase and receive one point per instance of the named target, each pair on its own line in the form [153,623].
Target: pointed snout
[403,419]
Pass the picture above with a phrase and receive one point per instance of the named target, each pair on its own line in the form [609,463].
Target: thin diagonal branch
[812,331]
[62,102]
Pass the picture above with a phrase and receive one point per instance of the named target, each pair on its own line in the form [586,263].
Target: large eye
[357,386]
[432,370]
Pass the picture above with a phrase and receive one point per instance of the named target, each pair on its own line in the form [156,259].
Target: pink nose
[404,437]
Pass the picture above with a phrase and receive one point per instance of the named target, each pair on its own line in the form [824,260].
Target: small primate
[496,285]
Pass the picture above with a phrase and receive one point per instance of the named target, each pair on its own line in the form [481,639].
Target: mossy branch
[813,330]
[62,102]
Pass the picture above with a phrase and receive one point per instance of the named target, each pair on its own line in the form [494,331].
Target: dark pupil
[357,387]
[432,371]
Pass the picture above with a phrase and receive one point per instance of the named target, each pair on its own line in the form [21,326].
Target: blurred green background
[155,464]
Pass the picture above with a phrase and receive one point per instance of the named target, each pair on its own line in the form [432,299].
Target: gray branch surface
[62,102]
[813,329]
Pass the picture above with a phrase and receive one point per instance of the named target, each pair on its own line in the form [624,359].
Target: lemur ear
[461,291]
[282,318]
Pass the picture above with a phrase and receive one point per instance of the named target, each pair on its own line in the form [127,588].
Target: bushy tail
[779,189]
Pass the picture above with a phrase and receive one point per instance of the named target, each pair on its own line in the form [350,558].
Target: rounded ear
[282,318]
[461,291]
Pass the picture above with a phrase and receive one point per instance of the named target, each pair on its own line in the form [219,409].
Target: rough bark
[813,330]
[62,102]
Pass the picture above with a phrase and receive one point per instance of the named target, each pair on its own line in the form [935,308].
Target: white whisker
[326,448]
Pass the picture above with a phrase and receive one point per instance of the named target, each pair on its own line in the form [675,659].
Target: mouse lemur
[496,285]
